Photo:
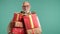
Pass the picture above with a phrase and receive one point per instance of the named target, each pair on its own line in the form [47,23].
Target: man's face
[26,6]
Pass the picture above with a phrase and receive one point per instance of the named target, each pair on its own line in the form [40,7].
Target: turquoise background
[48,12]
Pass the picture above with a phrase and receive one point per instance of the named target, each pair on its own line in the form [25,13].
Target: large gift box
[31,21]
[32,24]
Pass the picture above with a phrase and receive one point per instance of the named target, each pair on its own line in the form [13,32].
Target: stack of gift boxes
[25,24]
[17,24]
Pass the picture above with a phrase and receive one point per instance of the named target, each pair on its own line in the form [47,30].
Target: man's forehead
[26,3]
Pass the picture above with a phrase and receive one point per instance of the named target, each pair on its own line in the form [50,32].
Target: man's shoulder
[33,12]
[16,12]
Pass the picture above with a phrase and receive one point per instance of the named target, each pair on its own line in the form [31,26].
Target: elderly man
[25,22]
[26,7]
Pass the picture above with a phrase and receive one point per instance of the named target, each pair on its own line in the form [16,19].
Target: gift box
[18,31]
[31,21]
[17,25]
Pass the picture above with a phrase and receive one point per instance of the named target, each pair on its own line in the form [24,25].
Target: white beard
[26,11]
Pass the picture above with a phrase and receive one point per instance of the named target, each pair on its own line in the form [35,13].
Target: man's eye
[26,6]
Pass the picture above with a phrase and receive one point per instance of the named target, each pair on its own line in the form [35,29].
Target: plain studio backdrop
[48,12]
